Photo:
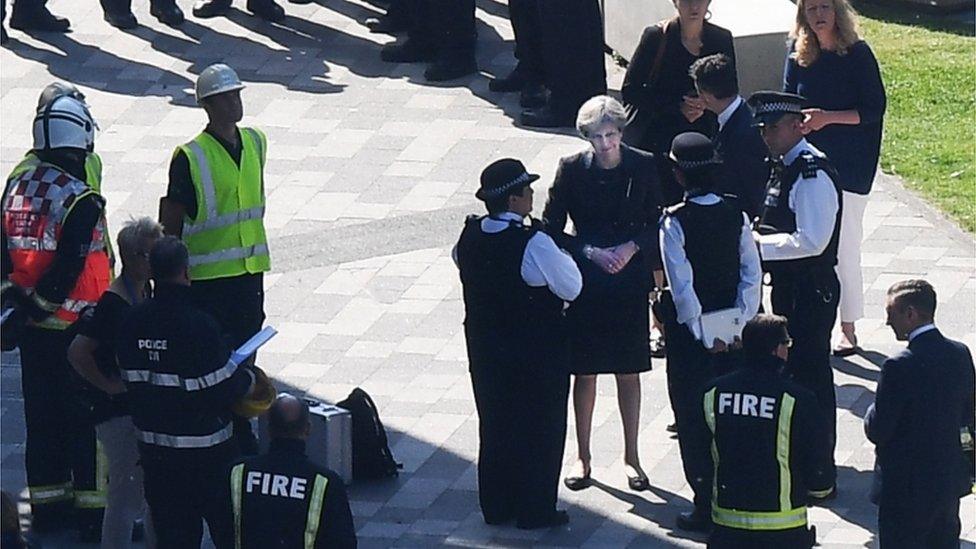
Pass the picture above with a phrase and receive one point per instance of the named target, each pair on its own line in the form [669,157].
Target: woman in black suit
[658,91]
[611,193]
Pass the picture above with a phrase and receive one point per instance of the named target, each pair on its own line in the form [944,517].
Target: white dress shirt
[543,263]
[815,203]
[920,330]
[681,276]
[724,116]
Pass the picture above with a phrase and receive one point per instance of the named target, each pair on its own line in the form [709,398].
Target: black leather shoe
[121,20]
[557,518]
[695,521]
[42,20]
[167,14]
[512,83]
[545,118]
[533,96]
[205,9]
[450,69]
[385,25]
[406,52]
[267,10]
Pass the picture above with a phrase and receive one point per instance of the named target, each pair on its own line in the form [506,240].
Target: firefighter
[283,499]
[215,202]
[763,440]
[56,263]
[181,385]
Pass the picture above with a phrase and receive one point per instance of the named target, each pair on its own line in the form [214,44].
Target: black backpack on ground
[371,456]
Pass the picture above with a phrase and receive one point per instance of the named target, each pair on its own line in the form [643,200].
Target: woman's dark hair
[715,74]
[168,258]
[499,204]
[702,178]
[763,334]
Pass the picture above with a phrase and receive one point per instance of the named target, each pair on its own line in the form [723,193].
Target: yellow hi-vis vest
[227,237]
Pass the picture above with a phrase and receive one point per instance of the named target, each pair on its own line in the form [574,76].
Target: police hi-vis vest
[273,485]
[36,204]
[227,237]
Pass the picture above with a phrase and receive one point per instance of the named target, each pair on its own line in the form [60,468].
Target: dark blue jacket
[744,170]
[925,396]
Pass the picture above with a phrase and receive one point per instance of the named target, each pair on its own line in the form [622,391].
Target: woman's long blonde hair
[807,48]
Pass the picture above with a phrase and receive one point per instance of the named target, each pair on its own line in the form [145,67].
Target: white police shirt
[543,263]
[681,277]
[814,200]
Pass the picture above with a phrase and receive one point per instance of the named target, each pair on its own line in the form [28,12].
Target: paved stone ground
[371,171]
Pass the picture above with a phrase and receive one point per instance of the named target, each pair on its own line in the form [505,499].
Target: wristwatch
[588,252]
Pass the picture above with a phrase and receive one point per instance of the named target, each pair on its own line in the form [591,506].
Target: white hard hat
[217,78]
[64,122]
[58,89]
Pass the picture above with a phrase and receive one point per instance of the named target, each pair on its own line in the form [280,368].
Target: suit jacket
[744,171]
[924,398]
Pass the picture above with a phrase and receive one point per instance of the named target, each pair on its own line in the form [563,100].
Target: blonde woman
[837,72]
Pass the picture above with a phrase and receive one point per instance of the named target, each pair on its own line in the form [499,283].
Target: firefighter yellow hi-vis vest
[227,236]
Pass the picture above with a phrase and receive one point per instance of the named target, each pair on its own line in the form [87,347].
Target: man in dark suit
[441,33]
[923,408]
[738,142]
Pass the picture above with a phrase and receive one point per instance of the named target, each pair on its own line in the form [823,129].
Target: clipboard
[252,345]
[724,324]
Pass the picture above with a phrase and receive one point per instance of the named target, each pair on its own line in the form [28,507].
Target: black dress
[609,323]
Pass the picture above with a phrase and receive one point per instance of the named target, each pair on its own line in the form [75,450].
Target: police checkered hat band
[502,177]
[779,107]
[692,164]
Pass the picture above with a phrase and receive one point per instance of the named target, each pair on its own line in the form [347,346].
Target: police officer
[762,438]
[712,264]
[215,202]
[282,499]
[516,282]
[55,263]
[441,33]
[797,238]
[181,385]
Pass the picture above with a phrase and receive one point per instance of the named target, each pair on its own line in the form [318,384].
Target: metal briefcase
[329,441]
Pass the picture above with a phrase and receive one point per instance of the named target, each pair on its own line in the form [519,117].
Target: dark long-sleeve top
[839,83]
[608,207]
[924,397]
[658,102]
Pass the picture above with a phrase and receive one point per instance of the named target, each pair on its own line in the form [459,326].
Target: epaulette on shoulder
[810,165]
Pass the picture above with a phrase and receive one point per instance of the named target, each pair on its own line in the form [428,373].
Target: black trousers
[572,50]
[809,299]
[62,457]
[690,367]
[527,27]
[909,524]
[445,26]
[180,497]
[732,538]
[237,304]
[522,429]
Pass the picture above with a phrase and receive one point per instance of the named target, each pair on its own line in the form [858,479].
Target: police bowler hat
[693,151]
[503,176]
[769,106]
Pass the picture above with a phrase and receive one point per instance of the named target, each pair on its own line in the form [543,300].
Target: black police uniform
[924,400]
[518,353]
[806,290]
[763,439]
[181,385]
[712,235]
[281,499]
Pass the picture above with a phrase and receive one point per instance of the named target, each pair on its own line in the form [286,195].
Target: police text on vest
[744,404]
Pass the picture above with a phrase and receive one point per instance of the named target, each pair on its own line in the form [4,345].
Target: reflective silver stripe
[32,243]
[76,305]
[173,380]
[206,180]
[219,221]
[186,441]
[228,254]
